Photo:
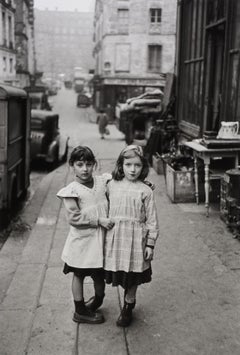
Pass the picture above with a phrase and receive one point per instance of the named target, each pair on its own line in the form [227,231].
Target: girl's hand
[106,223]
[148,254]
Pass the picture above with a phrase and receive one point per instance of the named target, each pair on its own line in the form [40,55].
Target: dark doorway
[214,77]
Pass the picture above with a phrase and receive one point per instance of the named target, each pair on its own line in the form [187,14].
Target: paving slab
[192,305]
[24,290]
[54,331]
[14,331]
[39,245]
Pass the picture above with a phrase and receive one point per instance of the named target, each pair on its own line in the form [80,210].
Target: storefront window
[216,10]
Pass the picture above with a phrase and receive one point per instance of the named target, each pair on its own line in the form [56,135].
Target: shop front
[109,91]
[207,68]
[208,92]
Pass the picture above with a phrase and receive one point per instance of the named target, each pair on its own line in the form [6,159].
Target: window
[4,28]
[123,16]
[216,10]
[155,16]
[122,57]
[154,58]
[11,65]
[4,64]
[10,32]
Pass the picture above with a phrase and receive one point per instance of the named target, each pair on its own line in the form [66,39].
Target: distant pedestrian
[130,243]
[102,121]
[86,208]
[109,113]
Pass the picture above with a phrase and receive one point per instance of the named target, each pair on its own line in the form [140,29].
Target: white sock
[129,299]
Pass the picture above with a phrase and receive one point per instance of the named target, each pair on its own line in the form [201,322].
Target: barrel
[234,184]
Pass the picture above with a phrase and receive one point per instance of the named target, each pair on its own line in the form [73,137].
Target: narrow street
[79,125]
[169,72]
[191,307]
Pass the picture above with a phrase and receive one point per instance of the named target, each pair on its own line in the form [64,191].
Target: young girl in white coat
[86,209]
[130,243]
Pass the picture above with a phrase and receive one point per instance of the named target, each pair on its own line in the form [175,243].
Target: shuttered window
[123,19]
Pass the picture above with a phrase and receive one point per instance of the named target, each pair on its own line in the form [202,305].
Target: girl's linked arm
[151,220]
[75,217]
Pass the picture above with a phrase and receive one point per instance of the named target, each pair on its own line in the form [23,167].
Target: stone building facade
[24,39]
[134,47]
[7,42]
[64,40]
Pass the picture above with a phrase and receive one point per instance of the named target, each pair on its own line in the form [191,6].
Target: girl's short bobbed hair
[82,153]
[130,151]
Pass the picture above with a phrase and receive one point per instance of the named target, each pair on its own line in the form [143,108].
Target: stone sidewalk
[191,307]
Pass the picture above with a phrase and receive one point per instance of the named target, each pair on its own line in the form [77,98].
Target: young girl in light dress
[129,245]
[86,209]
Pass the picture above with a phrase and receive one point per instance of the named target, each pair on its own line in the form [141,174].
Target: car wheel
[65,156]
[55,162]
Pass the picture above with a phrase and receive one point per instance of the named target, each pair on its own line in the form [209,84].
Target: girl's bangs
[84,155]
[87,156]
[131,154]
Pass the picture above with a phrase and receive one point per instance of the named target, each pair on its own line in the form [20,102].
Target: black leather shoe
[94,302]
[88,317]
[125,317]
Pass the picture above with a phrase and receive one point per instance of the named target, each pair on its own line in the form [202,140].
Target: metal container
[230,199]
[234,184]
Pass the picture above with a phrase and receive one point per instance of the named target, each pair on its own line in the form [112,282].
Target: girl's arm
[151,220]
[75,217]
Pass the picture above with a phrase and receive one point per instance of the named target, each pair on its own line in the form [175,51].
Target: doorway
[214,77]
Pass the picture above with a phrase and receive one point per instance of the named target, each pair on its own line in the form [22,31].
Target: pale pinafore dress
[133,210]
[84,245]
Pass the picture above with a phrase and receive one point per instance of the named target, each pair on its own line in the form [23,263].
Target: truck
[136,116]
[78,79]
[14,148]
[47,143]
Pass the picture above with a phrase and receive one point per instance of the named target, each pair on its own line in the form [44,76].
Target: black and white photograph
[119,177]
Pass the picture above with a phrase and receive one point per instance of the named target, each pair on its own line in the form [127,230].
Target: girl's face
[83,170]
[132,168]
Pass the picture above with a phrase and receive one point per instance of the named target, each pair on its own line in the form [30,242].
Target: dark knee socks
[79,306]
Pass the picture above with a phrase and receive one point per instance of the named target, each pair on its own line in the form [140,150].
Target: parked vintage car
[38,97]
[83,100]
[14,148]
[68,84]
[47,143]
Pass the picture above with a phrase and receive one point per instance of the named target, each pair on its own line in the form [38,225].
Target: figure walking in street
[130,243]
[102,121]
[86,208]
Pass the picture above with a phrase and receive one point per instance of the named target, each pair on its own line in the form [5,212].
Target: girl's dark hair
[127,153]
[82,153]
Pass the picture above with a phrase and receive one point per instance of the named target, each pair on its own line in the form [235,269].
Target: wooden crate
[157,164]
[180,185]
